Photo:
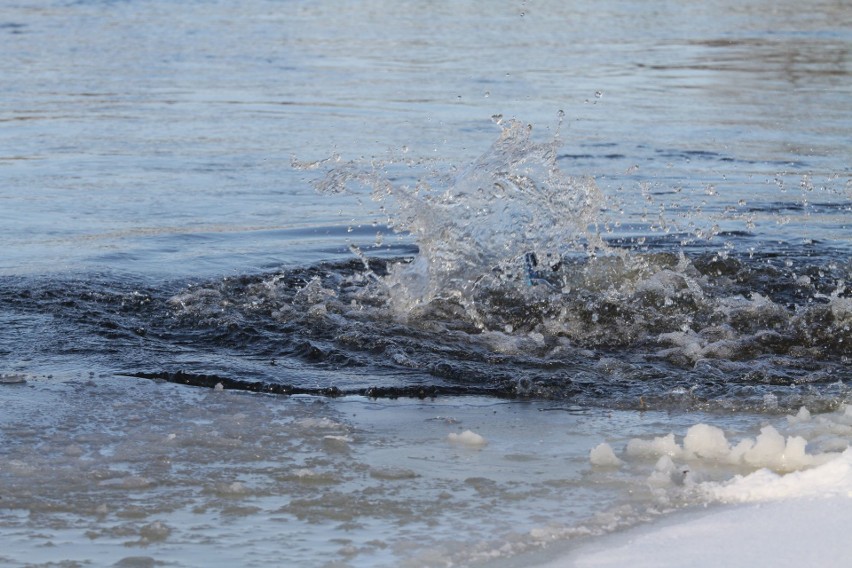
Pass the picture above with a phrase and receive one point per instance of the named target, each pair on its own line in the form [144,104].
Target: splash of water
[510,252]
[511,214]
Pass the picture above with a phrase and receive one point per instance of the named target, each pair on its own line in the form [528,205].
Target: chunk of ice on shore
[660,446]
[833,478]
[705,441]
[799,499]
[769,449]
[802,416]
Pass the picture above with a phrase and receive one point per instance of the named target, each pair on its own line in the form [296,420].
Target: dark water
[652,328]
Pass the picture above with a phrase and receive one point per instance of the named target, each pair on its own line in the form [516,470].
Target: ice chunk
[320,424]
[666,472]
[768,446]
[660,446]
[705,441]
[129,482]
[773,451]
[12,379]
[337,439]
[833,478]
[802,416]
[603,456]
[336,443]
[740,450]
[467,438]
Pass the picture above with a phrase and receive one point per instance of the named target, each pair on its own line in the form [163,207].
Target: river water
[552,224]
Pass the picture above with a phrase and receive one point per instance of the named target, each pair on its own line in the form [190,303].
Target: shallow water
[347,203]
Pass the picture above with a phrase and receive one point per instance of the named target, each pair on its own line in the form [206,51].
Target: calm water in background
[150,220]
[145,136]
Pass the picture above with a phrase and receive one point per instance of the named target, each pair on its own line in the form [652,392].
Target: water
[552,225]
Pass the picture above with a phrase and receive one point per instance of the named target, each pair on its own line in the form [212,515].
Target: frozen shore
[794,518]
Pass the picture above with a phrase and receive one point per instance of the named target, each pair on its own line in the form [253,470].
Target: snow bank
[782,534]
